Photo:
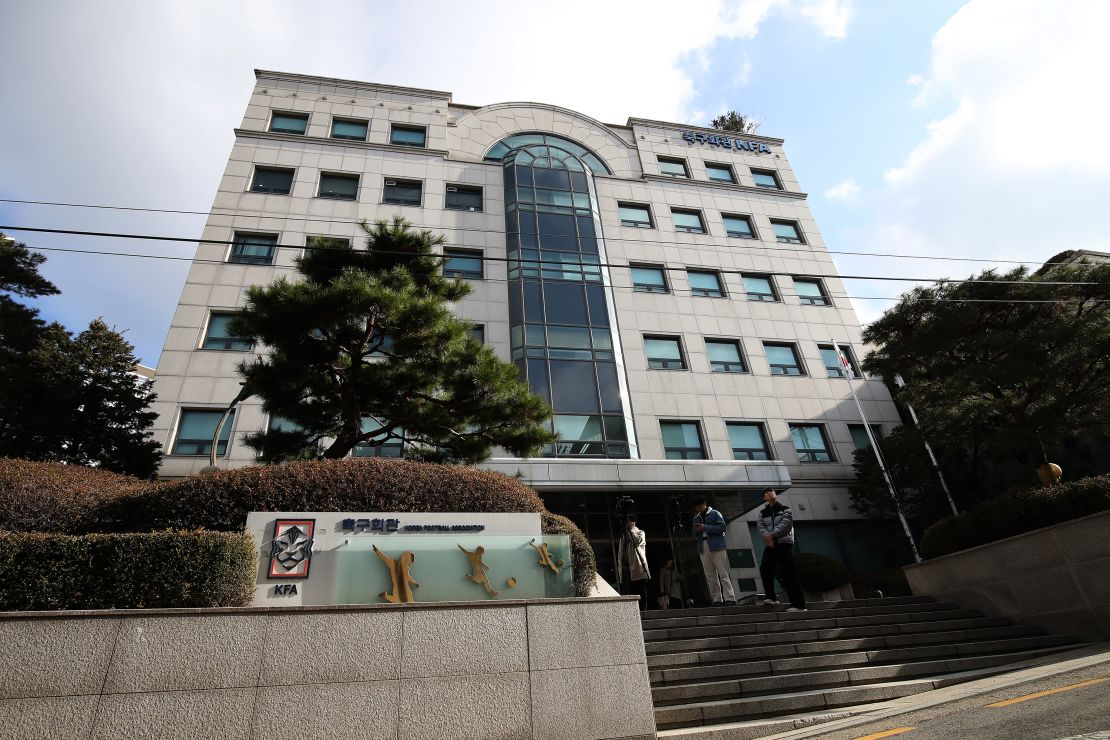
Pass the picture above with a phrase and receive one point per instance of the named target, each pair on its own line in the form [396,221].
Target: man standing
[709,529]
[776,527]
[632,567]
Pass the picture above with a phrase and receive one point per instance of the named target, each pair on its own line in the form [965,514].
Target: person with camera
[776,527]
[709,529]
[632,566]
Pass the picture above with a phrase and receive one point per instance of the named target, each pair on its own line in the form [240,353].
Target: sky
[930,129]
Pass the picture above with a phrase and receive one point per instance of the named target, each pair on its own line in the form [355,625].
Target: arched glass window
[517,141]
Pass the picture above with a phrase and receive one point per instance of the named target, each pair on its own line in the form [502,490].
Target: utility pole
[898,381]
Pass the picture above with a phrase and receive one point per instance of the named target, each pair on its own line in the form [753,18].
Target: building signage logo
[291,548]
[726,142]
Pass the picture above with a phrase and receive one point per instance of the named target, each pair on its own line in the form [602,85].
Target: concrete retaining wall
[1057,577]
[556,668]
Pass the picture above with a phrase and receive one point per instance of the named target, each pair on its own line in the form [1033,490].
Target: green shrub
[51,497]
[820,573]
[582,558]
[1015,513]
[125,571]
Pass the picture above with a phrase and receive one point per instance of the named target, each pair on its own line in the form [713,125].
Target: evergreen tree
[735,122]
[364,350]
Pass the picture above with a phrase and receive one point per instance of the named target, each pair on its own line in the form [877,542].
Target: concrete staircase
[730,664]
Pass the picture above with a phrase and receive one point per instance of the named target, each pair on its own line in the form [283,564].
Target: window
[195,430]
[289,123]
[760,288]
[682,440]
[408,135]
[253,249]
[810,443]
[664,353]
[787,231]
[704,283]
[673,167]
[272,180]
[463,198]
[478,333]
[346,128]
[766,179]
[725,356]
[748,441]
[720,172]
[783,359]
[632,214]
[326,242]
[462,263]
[811,292]
[219,337]
[859,435]
[688,221]
[738,226]
[339,187]
[402,192]
[394,445]
[648,279]
[589,435]
[832,361]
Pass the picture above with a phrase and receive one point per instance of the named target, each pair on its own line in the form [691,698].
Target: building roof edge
[689,126]
[292,76]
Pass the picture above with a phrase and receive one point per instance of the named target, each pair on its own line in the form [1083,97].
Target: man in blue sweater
[709,529]
[776,527]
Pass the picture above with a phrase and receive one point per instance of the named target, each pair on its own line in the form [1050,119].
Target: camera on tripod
[624,506]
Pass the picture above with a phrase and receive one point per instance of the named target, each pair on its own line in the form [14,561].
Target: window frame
[761,427]
[752,233]
[679,161]
[395,181]
[252,187]
[744,366]
[703,451]
[799,239]
[341,176]
[773,174]
[636,224]
[345,119]
[411,127]
[775,296]
[236,241]
[477,332]
[205,335]
[721,166]
[454,188]
[722,293]
[798,363]
[229,427]
[644,287]
[802,453]
[464,253]
[809,300]
[688,229]
[876,429]
[683,364]
[847,350]
[289,114]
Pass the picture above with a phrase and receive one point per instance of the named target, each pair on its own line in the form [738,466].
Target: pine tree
[365,350]
[735,122]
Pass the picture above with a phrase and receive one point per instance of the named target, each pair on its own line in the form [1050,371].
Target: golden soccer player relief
[399,575]
[478,568]
[545,558]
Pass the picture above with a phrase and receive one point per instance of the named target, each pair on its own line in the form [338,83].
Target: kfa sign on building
[391,557]
[726,142]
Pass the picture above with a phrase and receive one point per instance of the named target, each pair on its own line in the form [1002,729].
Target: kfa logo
[291,548]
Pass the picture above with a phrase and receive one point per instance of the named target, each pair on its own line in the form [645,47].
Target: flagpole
[848,374]
[928,448]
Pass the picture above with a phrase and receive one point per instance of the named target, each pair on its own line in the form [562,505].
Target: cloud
[830,16]
[844,191]
[943,135]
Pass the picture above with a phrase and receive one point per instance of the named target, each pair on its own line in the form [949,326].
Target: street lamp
[244,394]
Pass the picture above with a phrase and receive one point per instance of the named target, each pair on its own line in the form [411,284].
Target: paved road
[1083,711]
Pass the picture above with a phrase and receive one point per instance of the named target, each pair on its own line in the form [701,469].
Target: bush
[820,573]
[126,571]
[582,558]
[51,497]
[1015,513]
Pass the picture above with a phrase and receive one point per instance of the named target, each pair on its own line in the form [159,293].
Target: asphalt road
[1083,711]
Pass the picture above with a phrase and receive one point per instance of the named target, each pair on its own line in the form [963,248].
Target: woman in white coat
[632,566]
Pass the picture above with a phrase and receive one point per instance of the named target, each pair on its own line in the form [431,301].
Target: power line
[218,211]
[622,288]
[571,263]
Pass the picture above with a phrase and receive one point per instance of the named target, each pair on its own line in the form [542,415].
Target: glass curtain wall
[563,341]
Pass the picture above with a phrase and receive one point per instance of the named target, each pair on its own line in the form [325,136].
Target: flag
[844,364]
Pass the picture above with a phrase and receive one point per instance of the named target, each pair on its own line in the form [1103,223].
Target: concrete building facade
[679,309]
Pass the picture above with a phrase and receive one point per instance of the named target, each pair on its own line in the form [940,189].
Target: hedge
[51,497]
[820,573]
[1016,513]
[41,571]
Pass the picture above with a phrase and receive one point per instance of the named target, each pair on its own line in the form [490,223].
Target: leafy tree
[735,122]
[993,378]
[369,335]
[919,491]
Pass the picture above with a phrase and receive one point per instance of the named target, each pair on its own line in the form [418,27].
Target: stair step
[716,656]
[783,622]
[779,613]
[910,629]
[756,608]
[747,679]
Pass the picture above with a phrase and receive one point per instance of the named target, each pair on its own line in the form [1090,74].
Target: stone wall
[1057,577]
[554,668]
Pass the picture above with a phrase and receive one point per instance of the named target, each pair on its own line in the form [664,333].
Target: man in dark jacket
[709,529]
[776,527]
